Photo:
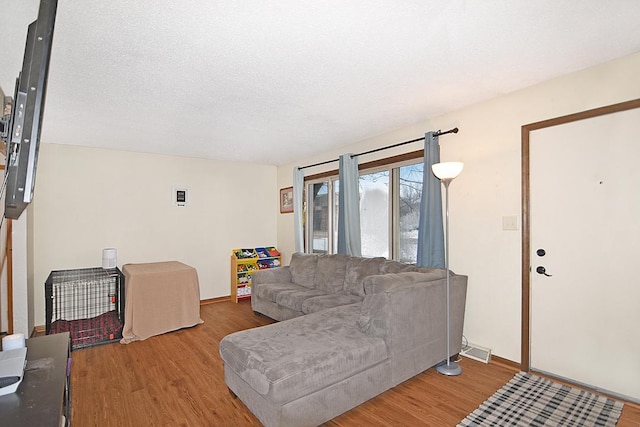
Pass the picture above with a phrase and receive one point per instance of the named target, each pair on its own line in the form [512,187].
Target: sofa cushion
[294,299]
[287,360]
[319,303]
[303,269]
[357,270]
[269,291]
[330,271]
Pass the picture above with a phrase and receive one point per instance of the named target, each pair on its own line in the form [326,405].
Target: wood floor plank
[176,379]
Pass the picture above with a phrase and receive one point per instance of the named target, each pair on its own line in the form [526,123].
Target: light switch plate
[510,222]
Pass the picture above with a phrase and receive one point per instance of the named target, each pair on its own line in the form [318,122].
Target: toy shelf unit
[88,303]
[244,262]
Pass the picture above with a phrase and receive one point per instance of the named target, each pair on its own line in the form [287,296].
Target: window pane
[374,214]
[409,208]
[319,217]
[387,230]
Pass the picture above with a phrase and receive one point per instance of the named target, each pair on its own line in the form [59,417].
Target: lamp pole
[447,172]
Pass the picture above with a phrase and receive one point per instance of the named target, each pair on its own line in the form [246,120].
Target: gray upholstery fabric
[431,270]
[303,269]
[390,266]
[357,270]
[294,299]
[357,333]
[387,282]
[264,304]
[290,359]
[317,407]
[411,318]
[330,272]
[323,405]
[272,275]
[314,304]
[273,310]
[376,312]
[269,291]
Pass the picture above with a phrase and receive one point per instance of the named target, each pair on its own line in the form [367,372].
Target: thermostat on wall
[180,196]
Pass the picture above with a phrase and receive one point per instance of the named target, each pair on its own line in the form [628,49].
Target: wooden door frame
[525,337]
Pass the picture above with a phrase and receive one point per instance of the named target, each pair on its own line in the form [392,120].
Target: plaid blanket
[529,400]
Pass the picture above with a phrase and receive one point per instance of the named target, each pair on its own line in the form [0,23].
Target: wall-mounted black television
[21,128]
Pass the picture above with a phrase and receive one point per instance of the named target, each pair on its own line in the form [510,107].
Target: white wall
[22,304]
[489,187]
[88,199]
[4,298]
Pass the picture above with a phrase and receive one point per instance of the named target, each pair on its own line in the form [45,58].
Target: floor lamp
[446,172]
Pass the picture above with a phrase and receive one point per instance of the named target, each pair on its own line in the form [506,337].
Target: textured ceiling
[275,81]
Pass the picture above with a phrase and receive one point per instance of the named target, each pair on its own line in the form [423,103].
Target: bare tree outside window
[409,208]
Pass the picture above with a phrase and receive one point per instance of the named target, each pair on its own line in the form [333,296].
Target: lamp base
[451,369]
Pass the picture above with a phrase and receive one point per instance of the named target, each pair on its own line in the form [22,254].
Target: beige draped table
[160,297]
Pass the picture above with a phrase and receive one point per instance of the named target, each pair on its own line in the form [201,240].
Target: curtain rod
[437,133]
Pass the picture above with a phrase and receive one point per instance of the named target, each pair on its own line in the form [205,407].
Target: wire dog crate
[88,303]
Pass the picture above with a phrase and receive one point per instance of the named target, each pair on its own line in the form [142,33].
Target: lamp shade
[447,170]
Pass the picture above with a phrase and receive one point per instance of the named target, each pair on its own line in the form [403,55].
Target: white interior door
[585,216]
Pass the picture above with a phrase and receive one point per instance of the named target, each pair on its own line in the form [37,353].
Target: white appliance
[12,364]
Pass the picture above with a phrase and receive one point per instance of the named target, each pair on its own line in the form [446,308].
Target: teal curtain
[430,229]
[298,230]
[349,207]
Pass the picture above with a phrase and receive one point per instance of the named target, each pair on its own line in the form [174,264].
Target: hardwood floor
[177,379]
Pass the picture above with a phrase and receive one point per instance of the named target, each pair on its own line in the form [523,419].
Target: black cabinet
[44,396]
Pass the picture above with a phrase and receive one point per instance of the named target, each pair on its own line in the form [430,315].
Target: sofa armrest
[412,320]
[271,275]
[403,312]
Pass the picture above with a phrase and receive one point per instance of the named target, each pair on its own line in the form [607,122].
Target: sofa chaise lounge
[350,328]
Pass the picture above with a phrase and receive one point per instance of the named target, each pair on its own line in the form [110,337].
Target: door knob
[541,270]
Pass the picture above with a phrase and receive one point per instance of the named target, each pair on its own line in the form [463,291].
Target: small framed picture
[286,200]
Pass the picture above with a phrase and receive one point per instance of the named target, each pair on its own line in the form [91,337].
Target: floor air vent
[476,352]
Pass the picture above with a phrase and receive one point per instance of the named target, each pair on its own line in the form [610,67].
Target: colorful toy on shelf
[245,253]
[262,253]
[246,260]
[273,252]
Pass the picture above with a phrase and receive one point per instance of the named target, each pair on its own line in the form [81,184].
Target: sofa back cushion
[390,266]
[303,269]
[330,271]
[389,282]
[357,270]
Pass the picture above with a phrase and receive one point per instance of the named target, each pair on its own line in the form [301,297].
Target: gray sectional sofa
[350,328]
